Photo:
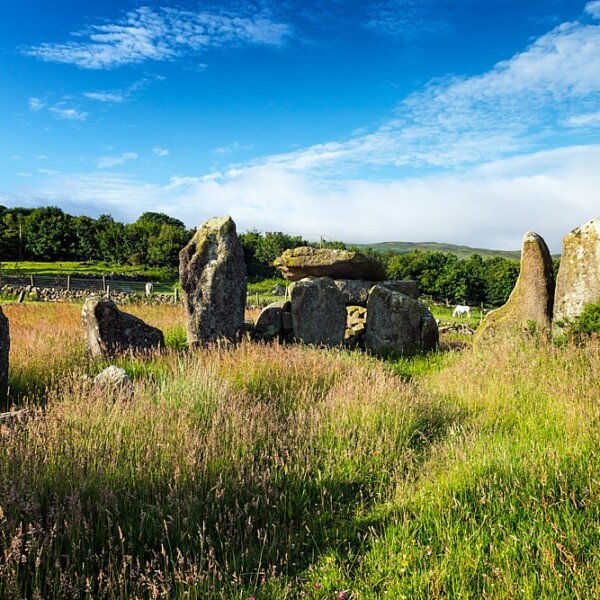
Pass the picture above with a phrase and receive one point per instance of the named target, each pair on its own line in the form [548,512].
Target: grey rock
[318,312]
[278,290]
[110,332]
[578,280]
[212,273]
[532,297]
[356,291]
[269,323]
[305,261]
[115,378]
[398,324]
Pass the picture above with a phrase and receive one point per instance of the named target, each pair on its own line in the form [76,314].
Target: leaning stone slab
[4,352]
[270,320]
[578,280]
[356,291]
[398,324]
[318,312]
[212,273]
[532,297]
[305,261]
[109,331]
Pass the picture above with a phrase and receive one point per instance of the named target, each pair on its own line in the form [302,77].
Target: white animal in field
[149,289]
[461,311]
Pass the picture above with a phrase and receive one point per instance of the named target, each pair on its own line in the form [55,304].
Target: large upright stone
[578,280]
[532,298]
[212,273]
[305,261]
[109,331]
[398,324]
[4,351]
[318,312]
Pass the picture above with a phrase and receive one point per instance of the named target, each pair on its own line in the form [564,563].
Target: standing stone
[109,331]
[318,312]
[578,280]
[4,351]
[212,273]
[305,261]
[532,297]
[398,324]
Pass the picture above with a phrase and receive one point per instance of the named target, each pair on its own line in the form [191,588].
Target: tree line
[155,239]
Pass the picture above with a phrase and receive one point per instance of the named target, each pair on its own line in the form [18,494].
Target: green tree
[111,240]
[261,250]
[50,234]
[163,249]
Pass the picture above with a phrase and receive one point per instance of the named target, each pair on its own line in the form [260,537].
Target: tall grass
[286,472]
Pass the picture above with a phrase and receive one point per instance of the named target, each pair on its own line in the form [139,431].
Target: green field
[273,471]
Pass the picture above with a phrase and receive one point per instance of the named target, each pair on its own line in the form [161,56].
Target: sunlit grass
[291,472]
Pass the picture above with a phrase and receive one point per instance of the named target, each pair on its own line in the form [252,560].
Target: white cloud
[160,151]
[584,120]
[113,161]
[593,8]
[109,97]
[489,206]
[24,174]
[69,114]
[35,104]
[48,171]
[516,107]
[161,34]
[231,149]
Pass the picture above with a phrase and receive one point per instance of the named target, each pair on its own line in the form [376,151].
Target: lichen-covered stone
[318,312]
[530,302]
[578,280]
[305,261]
[114,379]
[356,291]
[109,331]
[398,324]
[212,273]
[4,352]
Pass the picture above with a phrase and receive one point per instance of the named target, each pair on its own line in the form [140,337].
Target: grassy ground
[84,269]
[289,472]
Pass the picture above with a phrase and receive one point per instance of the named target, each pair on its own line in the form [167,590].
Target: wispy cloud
[520,105]
[108,97]
[160,151]
[161,34]
[407,19]
[231,149]
[35,104]
[69,114]
[112,161]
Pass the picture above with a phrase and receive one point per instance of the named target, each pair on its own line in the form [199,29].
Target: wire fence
[96,284]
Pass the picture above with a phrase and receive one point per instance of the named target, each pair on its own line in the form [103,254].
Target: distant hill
[460,251]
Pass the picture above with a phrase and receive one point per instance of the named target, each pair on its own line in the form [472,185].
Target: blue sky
[467,121]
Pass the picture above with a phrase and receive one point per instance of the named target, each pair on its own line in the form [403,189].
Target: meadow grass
[279,471]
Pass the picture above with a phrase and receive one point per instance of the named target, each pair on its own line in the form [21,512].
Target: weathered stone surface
[278,290]
[297,263]
[356,291]
[532,298]
[212,273]
[430,335]
[110,332]
[270,320]
[578,280]
[318,312]
[398,324]
[115,379]
[4,352]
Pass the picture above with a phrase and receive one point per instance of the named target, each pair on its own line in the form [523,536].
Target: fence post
[175,295]
[103,283]
[68,283]
[31,280]
[108,291]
